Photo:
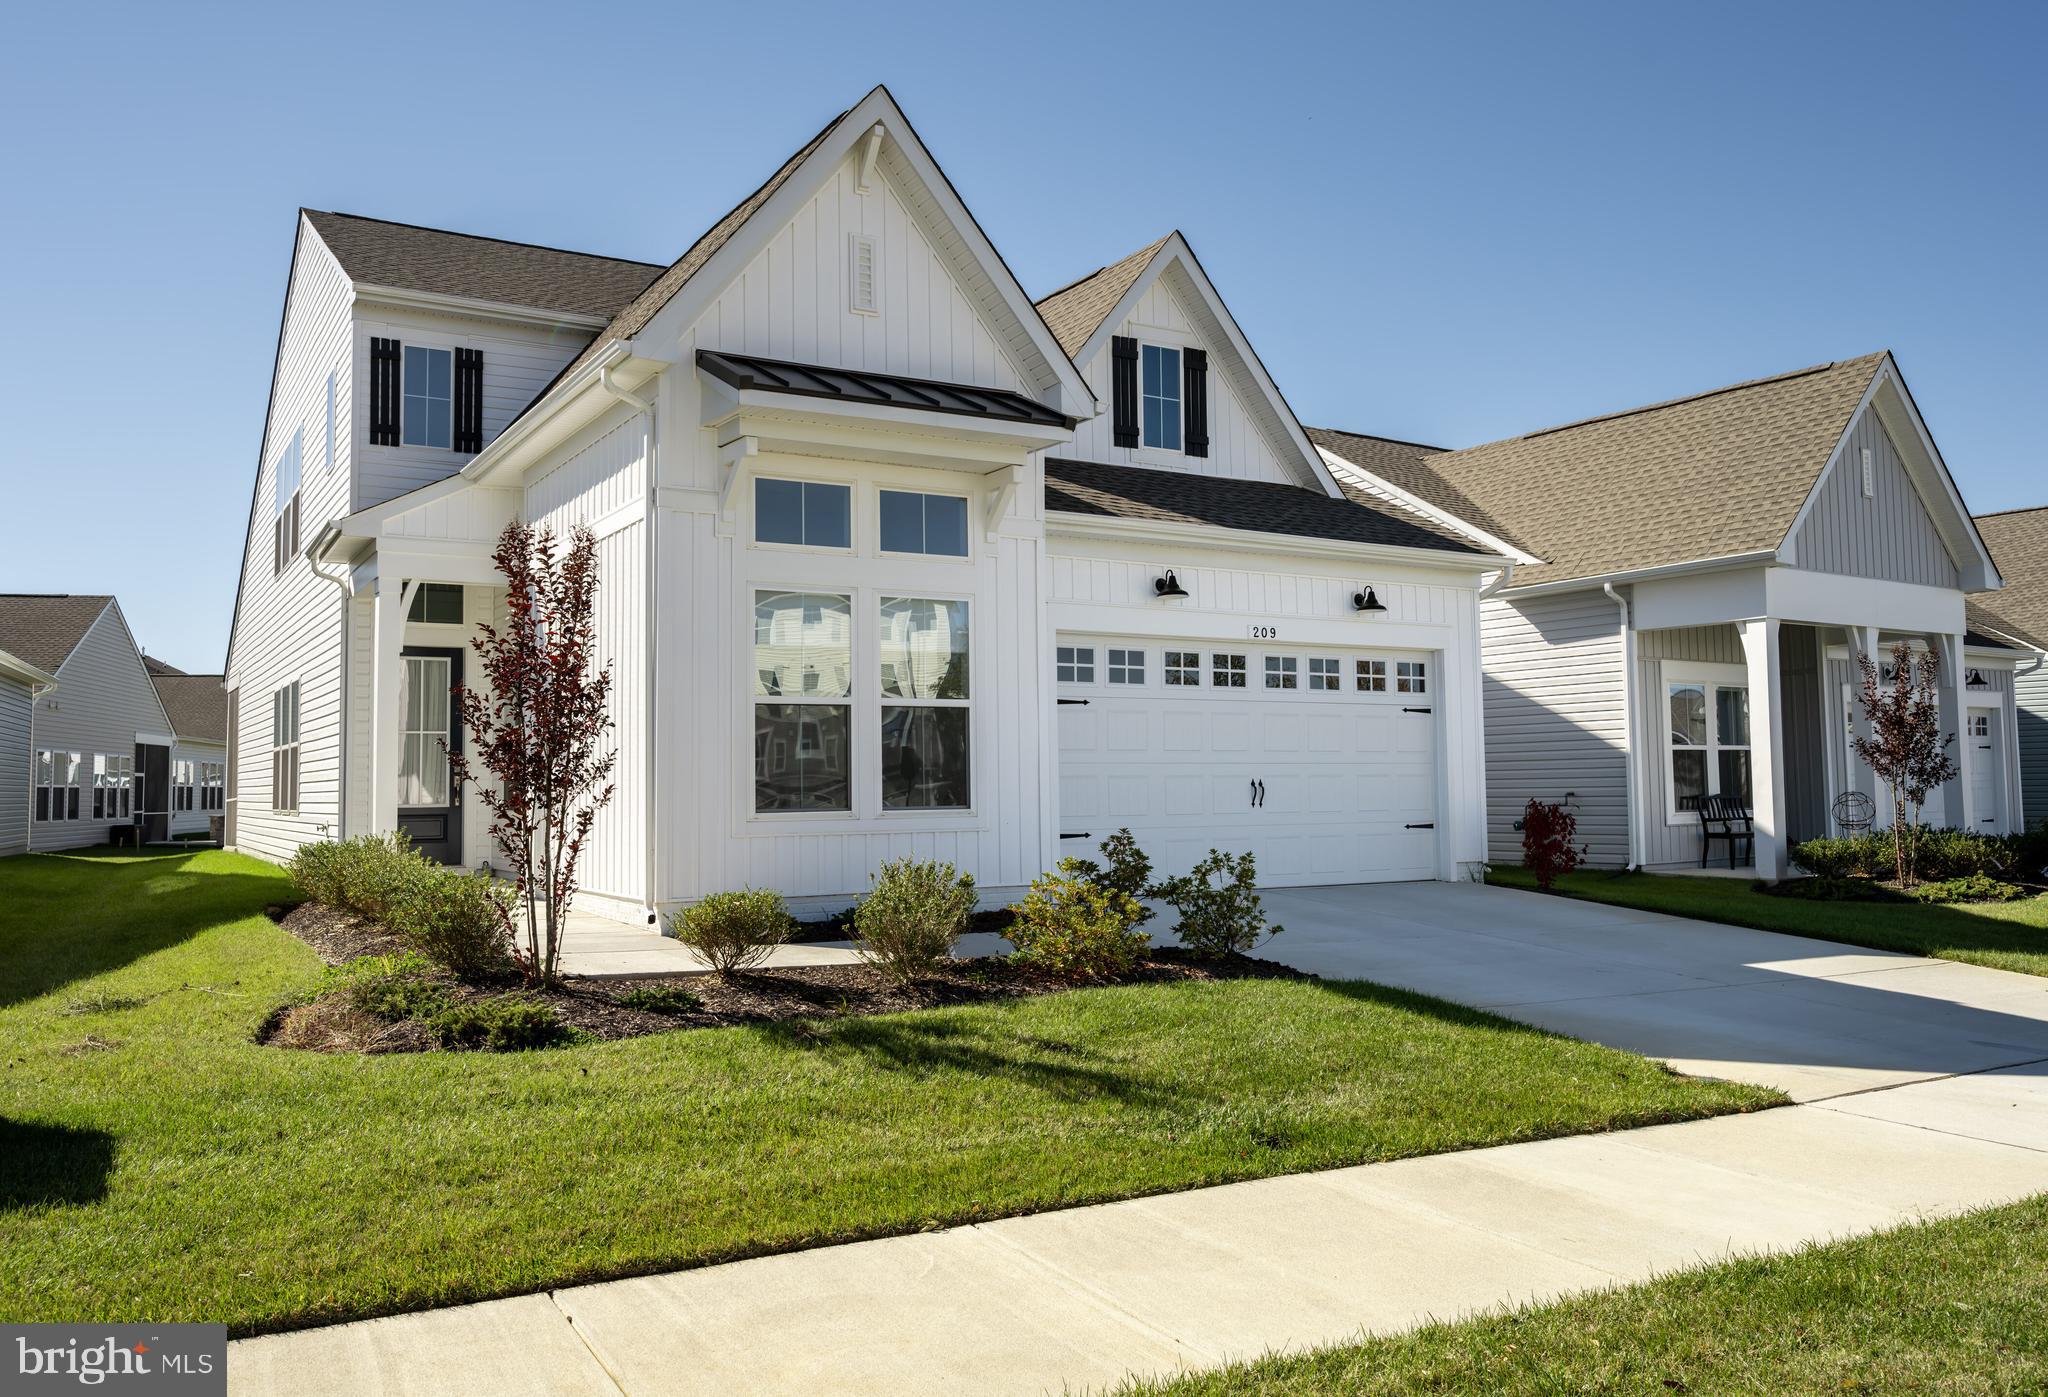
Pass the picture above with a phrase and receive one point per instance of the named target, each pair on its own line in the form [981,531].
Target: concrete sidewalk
[1083,1297]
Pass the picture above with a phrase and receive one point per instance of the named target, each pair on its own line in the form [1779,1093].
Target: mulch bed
[781,995]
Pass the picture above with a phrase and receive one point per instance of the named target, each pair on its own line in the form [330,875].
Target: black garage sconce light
[1367,600]
[1169,585]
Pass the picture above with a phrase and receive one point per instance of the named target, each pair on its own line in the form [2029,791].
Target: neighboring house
[197,705]
[884,570]
[1692,583]
[100,742]
[20,683]
[2018,614]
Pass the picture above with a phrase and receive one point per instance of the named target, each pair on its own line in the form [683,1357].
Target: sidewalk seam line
[618,1383]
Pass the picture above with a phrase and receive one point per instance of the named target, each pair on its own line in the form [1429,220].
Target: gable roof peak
[43,628]
[1076,311]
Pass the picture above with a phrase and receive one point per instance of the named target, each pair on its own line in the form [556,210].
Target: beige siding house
[1692,583]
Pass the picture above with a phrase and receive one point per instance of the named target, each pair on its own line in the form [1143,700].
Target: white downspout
[652,852]
[1628,727]
[348,594]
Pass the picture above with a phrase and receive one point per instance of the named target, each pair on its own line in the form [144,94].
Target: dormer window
[1160,382]
[429,396]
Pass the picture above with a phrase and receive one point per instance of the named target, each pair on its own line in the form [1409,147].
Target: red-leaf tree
[1906,747]
[536,757]
[1550,846]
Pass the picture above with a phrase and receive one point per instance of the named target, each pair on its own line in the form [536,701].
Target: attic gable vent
[1869,474]
[861,274]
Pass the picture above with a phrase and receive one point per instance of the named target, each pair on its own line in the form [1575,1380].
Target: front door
[1987,770]
[429,802]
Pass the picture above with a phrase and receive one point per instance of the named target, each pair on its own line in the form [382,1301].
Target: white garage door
[1320,762]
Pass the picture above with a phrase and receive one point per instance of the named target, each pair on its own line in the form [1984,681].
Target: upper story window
[1159,396]
[803,512]
[429,397]
[284,543]
[917,523]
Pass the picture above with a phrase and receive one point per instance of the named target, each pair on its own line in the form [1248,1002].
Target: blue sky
[1448,223]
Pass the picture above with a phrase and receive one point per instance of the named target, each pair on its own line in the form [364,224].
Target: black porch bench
[1725,818]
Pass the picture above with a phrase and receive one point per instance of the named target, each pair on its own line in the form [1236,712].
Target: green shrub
[908,923]
[366,875]
[1977,887]
[1938,854]
[1124,869]
[1942,854]
[1219,910]
[503,1024]
[734,931]
[659,999]
[316,871]
[1849,857]
[1074,927]
[1832,890]
[459,920]
[393,987]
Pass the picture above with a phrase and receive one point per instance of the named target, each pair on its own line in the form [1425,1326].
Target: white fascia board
[1594,582]
[1176,252]
[16,668]
[402,298]
[1209,536]
[1341,467]
[566,408]
[1837,599]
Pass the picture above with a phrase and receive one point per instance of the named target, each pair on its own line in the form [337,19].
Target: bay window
[803,692]
[1707,737]
[924,735]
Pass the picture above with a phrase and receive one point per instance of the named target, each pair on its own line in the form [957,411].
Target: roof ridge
[1786,377]
[1375,436]
[58,596]
[482,237]
[2016,509]
[1082,280]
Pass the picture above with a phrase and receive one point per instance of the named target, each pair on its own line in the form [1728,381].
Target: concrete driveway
[1815,1019]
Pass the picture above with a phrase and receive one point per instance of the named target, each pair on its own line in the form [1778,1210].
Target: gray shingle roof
[1077,310]
[44,628]
[2018,540]
[485,269]
[1714,475]
[1175,497]
[156,666]
[196,704]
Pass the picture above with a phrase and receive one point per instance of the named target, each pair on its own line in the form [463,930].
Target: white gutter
[1765,556]
[1628,727]
[649,525]
[1500,580]
[1262,541]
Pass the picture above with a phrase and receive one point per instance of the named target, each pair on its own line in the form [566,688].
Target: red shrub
[1550,842]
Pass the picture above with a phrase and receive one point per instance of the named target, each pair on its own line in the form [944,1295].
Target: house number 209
[1265,632]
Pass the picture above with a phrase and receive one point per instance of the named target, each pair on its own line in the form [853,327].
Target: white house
[99,741]
[1691,584]
[197,705]
[890,563]
[20,683]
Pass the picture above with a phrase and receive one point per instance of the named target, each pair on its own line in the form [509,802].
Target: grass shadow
[54,932]
[48,1165]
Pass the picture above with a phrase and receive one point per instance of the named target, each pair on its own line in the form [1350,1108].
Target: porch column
[1862,641]
[1766,745]
[1952,694]
[387,665]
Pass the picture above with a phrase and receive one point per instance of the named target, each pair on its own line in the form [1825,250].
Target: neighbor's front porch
[1761,707]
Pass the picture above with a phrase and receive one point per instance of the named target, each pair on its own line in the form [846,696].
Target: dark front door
[429,803]
[153,791]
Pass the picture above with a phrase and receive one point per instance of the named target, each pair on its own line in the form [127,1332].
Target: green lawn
[2005,935]
[1952,1307]
[155,1163]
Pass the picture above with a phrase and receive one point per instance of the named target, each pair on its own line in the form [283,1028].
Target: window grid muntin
[1160,397]
[1125,666]
[1074,664]
[1182,668]
[1227,670]
[1282,672]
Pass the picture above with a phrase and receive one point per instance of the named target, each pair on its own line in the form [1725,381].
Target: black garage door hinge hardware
[1405,710]
[1082,702]
[1082,835]
[1426,824]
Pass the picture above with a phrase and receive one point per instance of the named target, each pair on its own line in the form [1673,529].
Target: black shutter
[1195,400]
[469,400]
[384,392]
[1123,384]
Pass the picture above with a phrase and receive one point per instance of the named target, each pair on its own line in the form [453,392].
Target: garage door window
[1126,666]
[1281,671]
[1226,671]
[1076,664]
[1411,677]
[924,704]
[1183,668]
[1372,676]
[803,682]
[1322,673]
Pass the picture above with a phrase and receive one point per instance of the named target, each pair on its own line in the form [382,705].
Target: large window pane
[1688,777]
[1161,393]
[803,512]
[1731,718]
[803,645]
[778,511]
[1688,715]
[801,757]
[428,375]
[924,649]
[924,758]
[1734,769]
[915,523]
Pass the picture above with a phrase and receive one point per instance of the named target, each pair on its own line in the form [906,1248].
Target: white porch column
[1952,695]
[1766,745]
[1862,641]
[387,665]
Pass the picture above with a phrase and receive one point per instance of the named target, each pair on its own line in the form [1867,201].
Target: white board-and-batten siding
[1556,719]
[290,626]
[1887,534]
[1239,447]
[17,792]
[103,702]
